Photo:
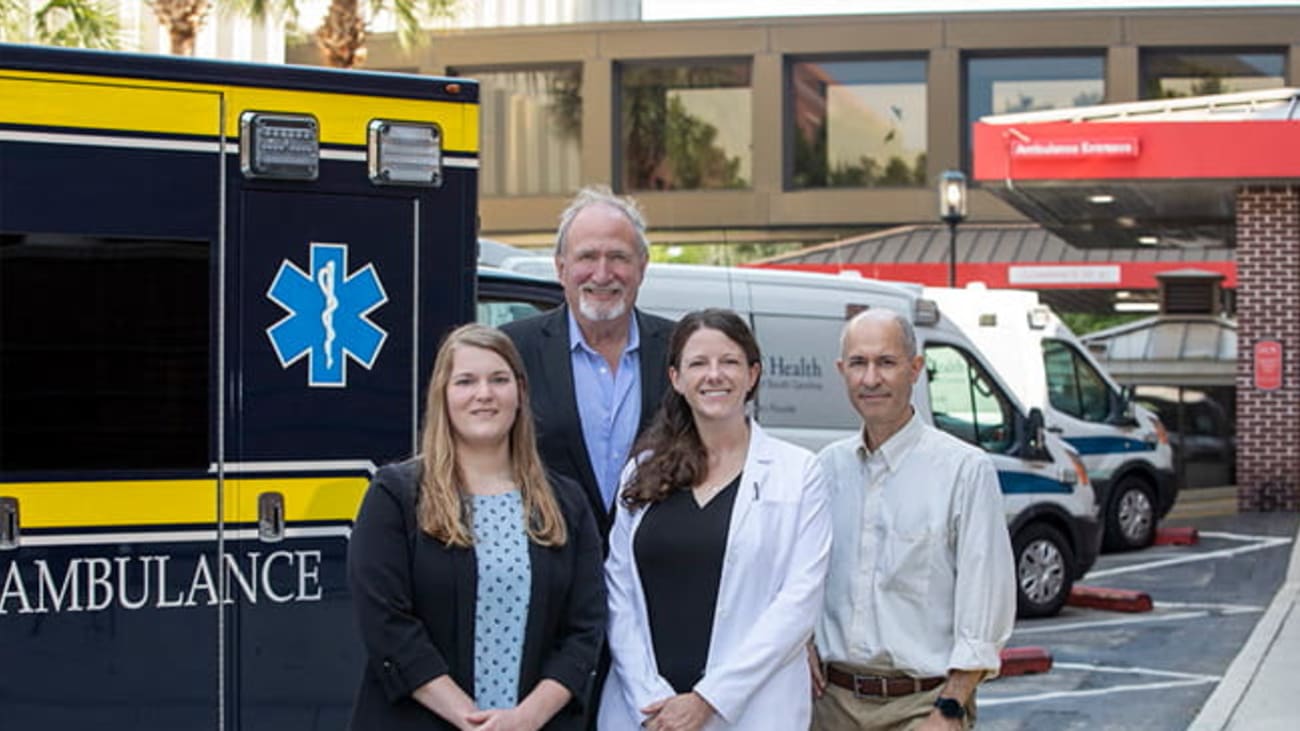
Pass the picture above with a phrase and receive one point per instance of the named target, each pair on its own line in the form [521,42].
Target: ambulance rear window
[104,353]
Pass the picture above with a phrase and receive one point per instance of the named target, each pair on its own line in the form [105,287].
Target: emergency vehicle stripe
[180,536]
[59,505]
[109,103]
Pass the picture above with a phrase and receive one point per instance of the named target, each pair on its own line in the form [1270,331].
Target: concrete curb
[1217,713]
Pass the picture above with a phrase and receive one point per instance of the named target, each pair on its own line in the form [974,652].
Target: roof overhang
[1147,173]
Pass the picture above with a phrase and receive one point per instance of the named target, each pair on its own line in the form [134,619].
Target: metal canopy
[1162,172]
[1174,350]
[991,253]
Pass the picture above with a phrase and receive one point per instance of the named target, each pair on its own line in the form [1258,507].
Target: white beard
[598,313]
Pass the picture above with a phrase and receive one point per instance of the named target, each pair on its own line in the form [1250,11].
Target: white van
[1123,445]
[797,317]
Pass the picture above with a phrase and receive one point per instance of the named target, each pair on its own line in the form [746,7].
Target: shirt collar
[897,446]
[576,339]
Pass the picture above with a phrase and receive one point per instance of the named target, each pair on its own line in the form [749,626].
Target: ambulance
[797,317]
[1123,444]
[221,291]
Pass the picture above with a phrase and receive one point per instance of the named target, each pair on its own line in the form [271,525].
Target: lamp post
[952,209]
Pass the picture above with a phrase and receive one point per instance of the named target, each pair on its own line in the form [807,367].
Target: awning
[1015,256]
[1169,350]
[1162,172]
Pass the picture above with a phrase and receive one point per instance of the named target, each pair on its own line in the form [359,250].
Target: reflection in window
[1202,430]
[685,126]
[1073,385]
[1007,85]
[858,123]
[1168,74]
[530,125]
[965,402]
[104,353]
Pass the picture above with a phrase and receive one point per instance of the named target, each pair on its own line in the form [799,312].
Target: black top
[414,598]
[679,548]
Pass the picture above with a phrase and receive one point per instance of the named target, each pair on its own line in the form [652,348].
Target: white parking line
[984,702]
[1089,667]
[1212,606]
[1177,680]
[1258,543]
[1144,619]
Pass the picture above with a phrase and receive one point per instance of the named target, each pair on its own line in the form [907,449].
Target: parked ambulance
[1123,445]
[222,288]
[797,317]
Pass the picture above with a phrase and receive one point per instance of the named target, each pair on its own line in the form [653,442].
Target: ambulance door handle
[8,523]
[270,517]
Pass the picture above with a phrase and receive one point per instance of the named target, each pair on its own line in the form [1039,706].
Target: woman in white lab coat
[717,556]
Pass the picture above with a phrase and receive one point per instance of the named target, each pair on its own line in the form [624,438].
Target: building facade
[808,128]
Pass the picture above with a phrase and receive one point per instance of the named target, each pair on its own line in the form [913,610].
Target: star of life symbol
[328,315]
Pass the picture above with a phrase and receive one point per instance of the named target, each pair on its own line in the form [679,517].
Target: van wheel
[1044,570]
[1131,516]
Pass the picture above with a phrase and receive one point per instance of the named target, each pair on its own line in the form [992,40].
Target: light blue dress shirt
[609,404]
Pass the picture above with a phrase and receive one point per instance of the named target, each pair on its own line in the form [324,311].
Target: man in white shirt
[920,597]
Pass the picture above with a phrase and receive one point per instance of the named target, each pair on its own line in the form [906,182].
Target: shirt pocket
[905,564]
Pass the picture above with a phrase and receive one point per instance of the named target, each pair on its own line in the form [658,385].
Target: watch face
[950,708]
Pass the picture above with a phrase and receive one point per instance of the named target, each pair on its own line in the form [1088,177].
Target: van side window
[496,313]
[104,353]
[966,402]
[1073,385]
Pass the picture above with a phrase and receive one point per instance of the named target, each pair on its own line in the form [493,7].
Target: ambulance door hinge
[8,523]
[270,517]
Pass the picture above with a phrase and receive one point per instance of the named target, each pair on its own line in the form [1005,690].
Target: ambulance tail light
[404,153]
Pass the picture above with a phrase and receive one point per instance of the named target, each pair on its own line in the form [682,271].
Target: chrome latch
[270,517]
[9,532]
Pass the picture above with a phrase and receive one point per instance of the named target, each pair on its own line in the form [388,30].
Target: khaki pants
[840,710]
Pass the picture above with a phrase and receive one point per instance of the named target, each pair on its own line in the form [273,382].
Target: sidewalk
[1258,691]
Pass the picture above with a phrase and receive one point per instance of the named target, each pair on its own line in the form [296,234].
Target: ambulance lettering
[94,584]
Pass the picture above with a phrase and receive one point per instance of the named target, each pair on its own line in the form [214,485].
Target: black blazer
[414,599]
[543,342]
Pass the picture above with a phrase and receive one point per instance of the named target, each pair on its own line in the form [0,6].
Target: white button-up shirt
[921,577]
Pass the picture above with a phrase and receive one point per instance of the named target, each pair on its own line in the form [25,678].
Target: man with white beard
[597,366]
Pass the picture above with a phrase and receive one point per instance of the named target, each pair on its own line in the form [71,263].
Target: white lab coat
[769,597]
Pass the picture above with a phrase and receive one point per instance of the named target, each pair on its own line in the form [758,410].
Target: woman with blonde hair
[475,575]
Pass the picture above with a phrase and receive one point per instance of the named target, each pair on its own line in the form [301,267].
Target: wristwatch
[950,708]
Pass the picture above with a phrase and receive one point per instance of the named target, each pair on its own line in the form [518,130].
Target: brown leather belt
[878,686]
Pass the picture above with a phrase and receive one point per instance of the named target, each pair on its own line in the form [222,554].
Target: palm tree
[342,35]
[78,23]
[183,19]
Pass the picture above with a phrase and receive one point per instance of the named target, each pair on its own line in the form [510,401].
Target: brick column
[1268,308]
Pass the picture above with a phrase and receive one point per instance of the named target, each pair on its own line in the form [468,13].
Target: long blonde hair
[442,511]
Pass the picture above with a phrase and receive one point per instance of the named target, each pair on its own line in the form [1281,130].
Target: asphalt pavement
[1214,653]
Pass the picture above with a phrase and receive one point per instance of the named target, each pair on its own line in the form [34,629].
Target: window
[530,124]
[685,126]
[1004,85]
[1074,387]
[966,402]
[1168,74]
[858,123]
[104,352]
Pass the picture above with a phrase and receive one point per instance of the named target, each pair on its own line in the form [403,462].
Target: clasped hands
[683,712]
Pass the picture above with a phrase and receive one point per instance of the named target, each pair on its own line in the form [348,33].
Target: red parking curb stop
[1114,600]
[1182,536]
[1025,661]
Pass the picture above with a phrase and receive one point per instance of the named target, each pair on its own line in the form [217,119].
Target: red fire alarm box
[1268,365]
